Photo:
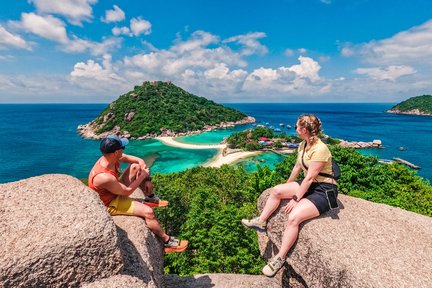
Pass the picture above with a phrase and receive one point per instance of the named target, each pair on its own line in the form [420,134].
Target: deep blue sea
[42,138]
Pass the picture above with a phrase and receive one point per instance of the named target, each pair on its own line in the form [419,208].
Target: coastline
[217,161]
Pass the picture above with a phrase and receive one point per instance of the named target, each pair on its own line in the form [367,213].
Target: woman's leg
[277,193]
[304,210]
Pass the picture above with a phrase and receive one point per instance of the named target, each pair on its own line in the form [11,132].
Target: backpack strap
[320,173]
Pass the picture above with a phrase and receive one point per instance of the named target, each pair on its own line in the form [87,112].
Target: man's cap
[112,143]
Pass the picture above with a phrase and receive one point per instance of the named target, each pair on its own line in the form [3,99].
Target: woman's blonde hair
[312,124]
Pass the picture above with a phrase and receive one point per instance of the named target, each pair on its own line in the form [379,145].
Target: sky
[93,51]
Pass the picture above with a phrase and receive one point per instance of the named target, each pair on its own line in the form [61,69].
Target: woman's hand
[291,204]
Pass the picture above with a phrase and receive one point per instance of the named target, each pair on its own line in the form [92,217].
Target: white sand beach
[219,159]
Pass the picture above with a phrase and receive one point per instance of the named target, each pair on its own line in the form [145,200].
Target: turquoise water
[40,139]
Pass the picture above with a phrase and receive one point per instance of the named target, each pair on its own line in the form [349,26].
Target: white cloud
[389,73]
[140,26]
[75,11]
[250,43]
[296,79]
[8,39]
[92,70]
[221,72]
[77,45]
[289,52]
[308,68]
[302,50]
[115,15]
[406,47]
[121,31]
[47,27]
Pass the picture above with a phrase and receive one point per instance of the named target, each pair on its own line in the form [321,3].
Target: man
[114,189]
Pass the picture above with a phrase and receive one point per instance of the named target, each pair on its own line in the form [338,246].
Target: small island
[161,109]
[419,105]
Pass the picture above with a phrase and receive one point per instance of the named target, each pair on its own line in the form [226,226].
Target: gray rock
[220,281]
[362,244]
[118,281]
[55,232]
[142,250]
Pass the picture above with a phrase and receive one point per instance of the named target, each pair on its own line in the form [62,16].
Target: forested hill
[419,105]
[157,107]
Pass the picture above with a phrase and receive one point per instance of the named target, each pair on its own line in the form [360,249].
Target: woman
[308,197]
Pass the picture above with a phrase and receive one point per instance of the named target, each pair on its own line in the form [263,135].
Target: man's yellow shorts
[121,205]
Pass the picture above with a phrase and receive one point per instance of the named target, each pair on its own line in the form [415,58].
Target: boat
[288,126]
[402,149]
[385,161]
[282,124]
[277,130]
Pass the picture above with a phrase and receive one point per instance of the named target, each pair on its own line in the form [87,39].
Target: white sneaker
[273,266]
[254,223]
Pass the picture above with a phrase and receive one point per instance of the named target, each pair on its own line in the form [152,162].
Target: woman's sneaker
[254,223]
[273,266]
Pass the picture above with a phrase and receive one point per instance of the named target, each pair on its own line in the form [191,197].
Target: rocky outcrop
[221,281]
[362,244]
[54,232]
[361,144]
[410,112]
[88,130]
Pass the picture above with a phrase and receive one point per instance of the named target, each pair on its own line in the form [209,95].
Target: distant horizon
[100,103]
[321,51]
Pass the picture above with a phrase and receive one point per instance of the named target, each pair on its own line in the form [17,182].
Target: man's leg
[148,214]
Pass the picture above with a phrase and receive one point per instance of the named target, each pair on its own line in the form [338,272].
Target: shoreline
[217,161]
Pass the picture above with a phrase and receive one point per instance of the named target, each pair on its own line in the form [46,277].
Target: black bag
[336,171]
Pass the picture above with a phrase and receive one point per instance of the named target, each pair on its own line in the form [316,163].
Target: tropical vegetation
[156,106]
[422,103]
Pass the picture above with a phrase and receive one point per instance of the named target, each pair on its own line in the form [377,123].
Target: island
[419,105]
[161,109]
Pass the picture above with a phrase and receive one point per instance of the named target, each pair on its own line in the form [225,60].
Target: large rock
[362,244]
[117,281]
[55,232]
[142,250]
[221,281]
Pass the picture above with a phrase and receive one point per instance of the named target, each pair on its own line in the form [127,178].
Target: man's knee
[144,211]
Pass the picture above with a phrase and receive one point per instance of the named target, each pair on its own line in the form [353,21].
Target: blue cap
[112,143]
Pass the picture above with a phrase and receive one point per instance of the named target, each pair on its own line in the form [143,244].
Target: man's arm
[110,183]
[133,159]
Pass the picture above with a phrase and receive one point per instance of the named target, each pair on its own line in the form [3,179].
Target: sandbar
[219,160]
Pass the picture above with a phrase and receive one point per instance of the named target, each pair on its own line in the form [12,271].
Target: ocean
[42,138]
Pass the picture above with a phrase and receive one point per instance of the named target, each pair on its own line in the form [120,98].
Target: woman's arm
[314,168]
[294,173]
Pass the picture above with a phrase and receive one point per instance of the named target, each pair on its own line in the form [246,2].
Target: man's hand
[291,204]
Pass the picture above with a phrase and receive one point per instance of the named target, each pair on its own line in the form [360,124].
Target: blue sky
[92,51]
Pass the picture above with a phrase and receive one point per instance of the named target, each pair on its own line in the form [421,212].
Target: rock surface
[117,281]
[362,244]
[220,281]
[142,250]
[55,232]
